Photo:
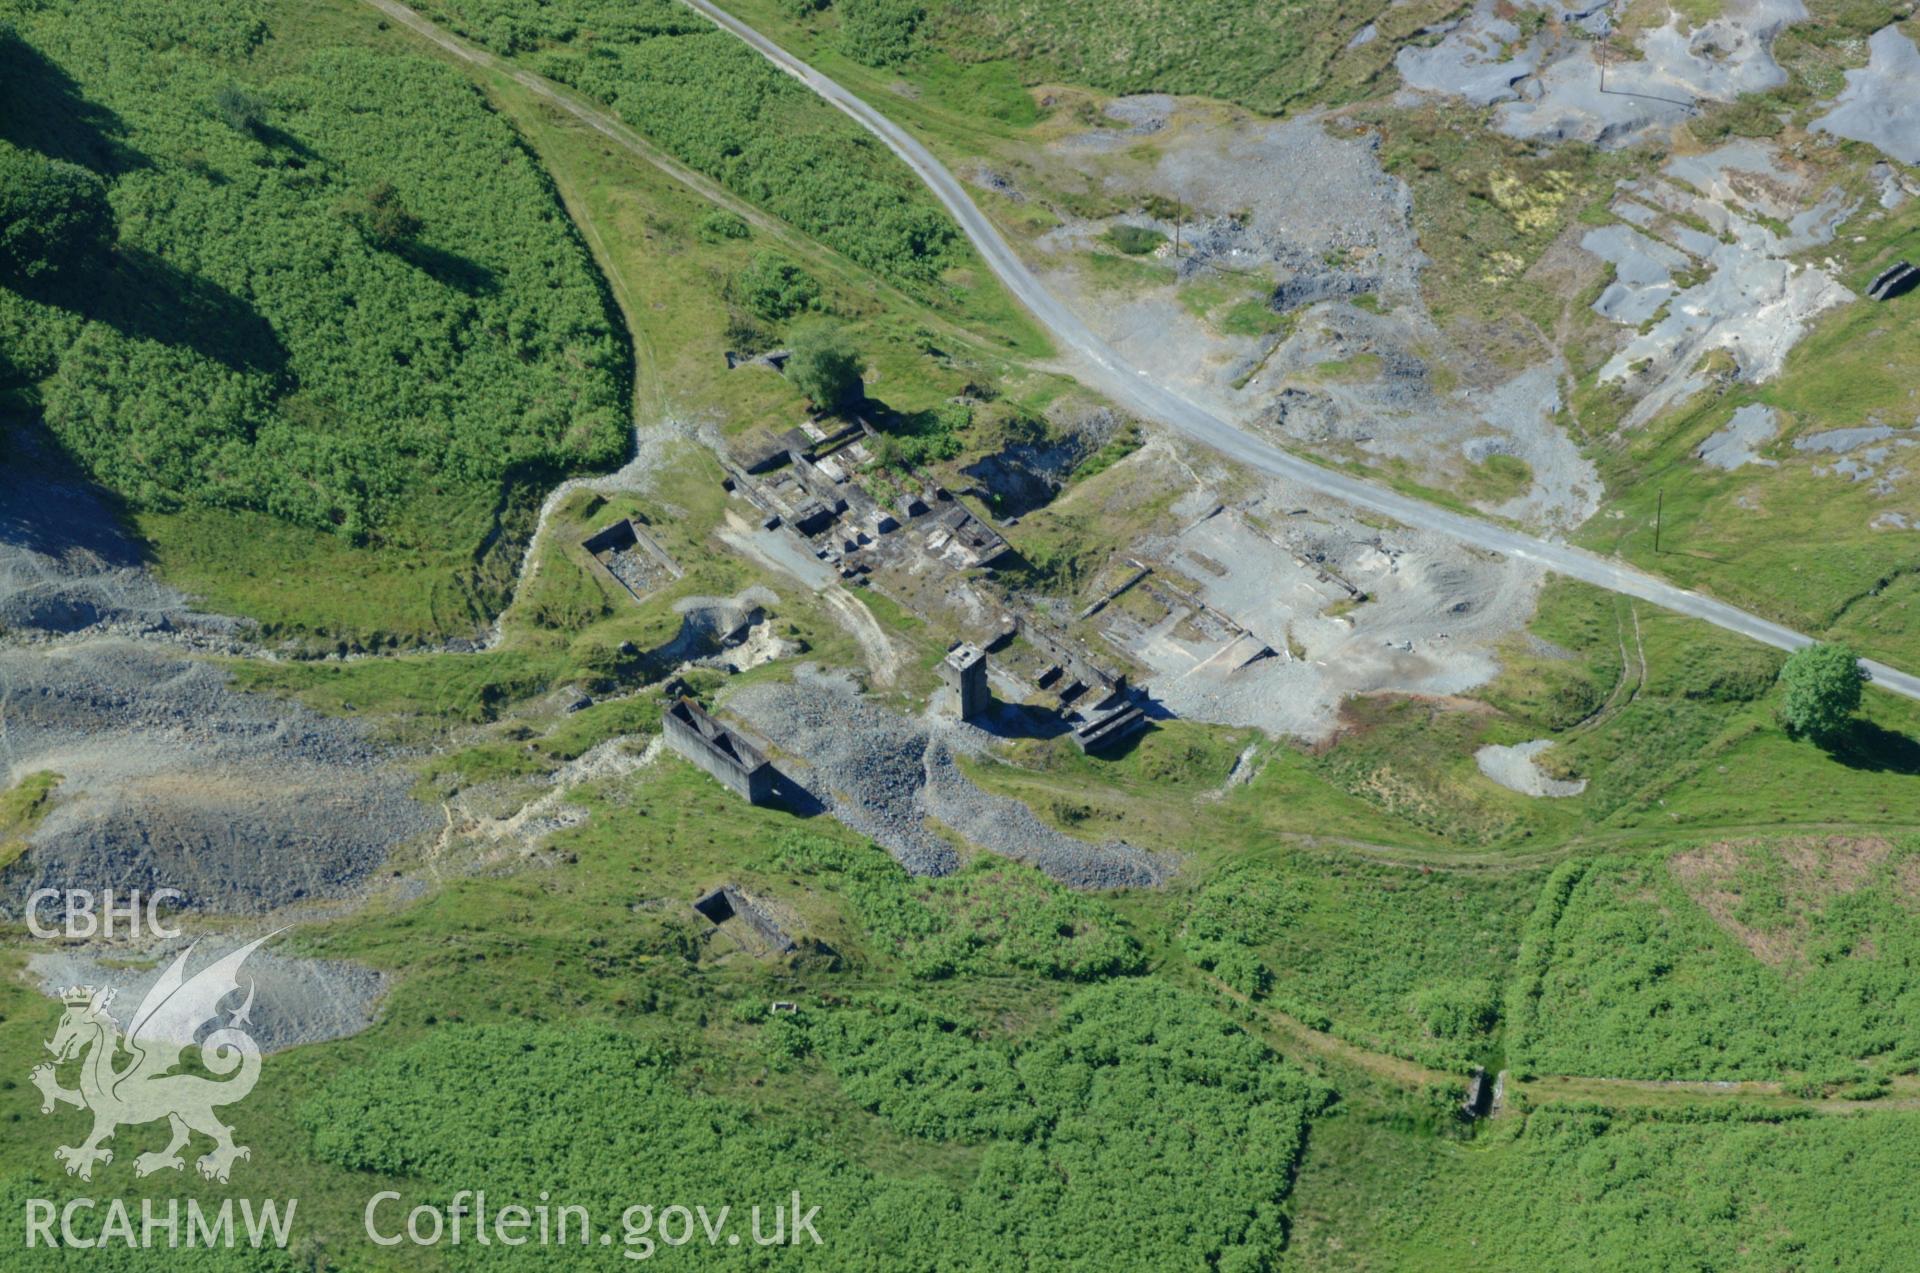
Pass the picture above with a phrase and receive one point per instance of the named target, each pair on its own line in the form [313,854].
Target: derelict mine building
[732,761]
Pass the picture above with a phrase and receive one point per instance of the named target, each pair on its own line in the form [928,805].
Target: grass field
[1667,720]
[1808,548]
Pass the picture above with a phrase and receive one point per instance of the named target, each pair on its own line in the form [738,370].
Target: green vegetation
[1806,548]
[22,806]
[985,1070]
[1823,690]
[722,109]
[1251,317]
[996,915]
[825,366]
[1271,57]
[1727,960]
[1486,207]
[54,217]
[879,32]
[359,317]
[382,220]
[1134,240]
[925,437]
[776,289]
[1497,479]
[1393,958]
[1123,1064]
[720,225]
[1587,1188]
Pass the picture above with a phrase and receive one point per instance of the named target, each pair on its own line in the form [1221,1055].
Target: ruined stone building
[965,671]
[729,758]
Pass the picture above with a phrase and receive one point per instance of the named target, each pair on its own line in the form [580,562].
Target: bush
[1135,240]
[719,226]
[54,216]
[879,32]
[924,437]
[992,917]
[382,220]
[1457,1011]
[240,110]
[777,289]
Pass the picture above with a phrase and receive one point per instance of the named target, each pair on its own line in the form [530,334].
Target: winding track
[1129,386]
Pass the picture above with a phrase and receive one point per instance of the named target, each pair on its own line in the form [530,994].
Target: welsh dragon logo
[144,1087]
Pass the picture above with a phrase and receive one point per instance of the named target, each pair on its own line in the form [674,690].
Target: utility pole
[1659,505]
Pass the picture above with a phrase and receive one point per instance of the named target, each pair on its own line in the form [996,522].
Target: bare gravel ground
[295,1000]
[1348,381]
[1516,769]
[886,776]
[1739,443]
[1881,103]
[1434,617]
[1754,301]
[171,779]
[1550,85]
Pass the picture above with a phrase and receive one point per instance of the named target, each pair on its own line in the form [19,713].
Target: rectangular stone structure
[965,670]
[730,759]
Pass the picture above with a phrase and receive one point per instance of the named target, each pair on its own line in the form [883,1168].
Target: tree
[1823,690]
[825,366]
[383,221]
[54,216]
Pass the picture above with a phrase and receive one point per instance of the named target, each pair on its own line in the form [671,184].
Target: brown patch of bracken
[1817,869]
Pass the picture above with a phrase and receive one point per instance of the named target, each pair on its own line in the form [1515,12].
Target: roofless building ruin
[732,761]
[965,671]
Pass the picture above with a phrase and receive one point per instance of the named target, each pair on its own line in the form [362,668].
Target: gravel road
[1131,389]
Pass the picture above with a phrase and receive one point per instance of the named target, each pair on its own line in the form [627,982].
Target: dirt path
[774,553]
[1293,1037]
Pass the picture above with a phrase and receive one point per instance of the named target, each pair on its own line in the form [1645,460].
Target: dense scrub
[995,916]
[1729,960]
[722,109]
[342,287]
[1135,1083]
[1391,957]
[1271,57]
[1582,1189]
